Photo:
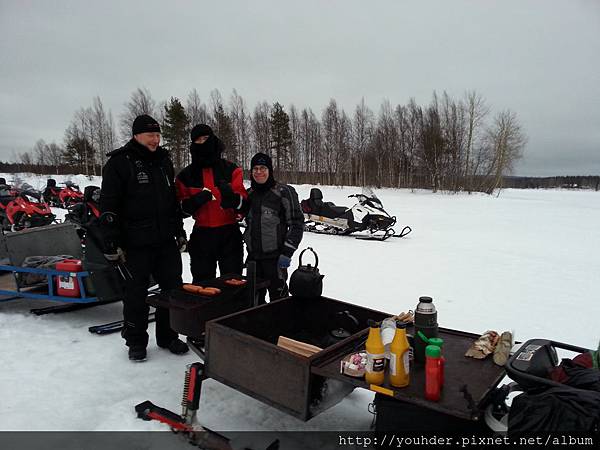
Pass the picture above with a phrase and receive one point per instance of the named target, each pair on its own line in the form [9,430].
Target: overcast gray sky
[539,58]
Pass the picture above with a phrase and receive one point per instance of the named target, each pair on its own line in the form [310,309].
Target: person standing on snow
[211,190]
[275,226]
[142,228]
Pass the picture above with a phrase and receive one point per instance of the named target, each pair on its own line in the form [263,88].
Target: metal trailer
[241,351]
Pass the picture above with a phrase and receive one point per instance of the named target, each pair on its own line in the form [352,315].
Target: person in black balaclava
[275,224]
[142,231]
[211,190]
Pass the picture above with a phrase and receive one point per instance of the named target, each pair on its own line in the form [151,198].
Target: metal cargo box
[242,351]
[189,312]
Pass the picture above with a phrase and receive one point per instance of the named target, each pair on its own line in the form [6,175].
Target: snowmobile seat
[332,210]
[5,195]
[328,209]
[91,194]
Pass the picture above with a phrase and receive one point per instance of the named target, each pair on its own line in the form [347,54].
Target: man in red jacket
[211,190]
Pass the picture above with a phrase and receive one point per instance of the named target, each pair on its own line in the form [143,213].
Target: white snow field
[526,260]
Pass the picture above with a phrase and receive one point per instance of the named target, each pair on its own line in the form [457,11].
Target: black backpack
[306,281]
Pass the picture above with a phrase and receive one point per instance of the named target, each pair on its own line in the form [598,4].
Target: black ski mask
[208,153]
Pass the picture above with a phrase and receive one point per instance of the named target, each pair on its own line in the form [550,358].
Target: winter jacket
[275,222]
[138,188]
[556,409]
[191,180]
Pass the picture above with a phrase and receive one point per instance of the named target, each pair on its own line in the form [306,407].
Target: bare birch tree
[140,102]
[362,137]
[476,111]
[241,128]
[507,140]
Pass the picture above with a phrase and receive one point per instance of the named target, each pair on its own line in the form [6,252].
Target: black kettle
[306,281]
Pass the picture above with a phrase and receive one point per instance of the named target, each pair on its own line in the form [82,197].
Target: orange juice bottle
[399,361]
[374,371]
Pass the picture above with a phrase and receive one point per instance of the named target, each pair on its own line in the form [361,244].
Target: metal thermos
[426,323]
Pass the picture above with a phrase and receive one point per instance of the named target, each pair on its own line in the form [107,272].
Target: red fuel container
[67,286]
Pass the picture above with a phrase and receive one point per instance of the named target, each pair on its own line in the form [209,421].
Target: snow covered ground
[524,261]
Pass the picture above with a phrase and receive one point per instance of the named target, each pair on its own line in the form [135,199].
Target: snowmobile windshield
[368,197]
[31,196]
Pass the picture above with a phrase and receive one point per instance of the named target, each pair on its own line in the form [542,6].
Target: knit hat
[145,124]
[262,159]
[200,130]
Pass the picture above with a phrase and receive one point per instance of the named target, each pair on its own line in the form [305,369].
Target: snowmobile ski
[67,308]
[113,327]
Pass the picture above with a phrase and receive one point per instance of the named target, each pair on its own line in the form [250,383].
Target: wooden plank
[302,348]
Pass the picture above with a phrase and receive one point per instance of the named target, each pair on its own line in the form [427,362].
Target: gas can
[67,286]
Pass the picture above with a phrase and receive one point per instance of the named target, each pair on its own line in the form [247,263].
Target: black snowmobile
[367,217]
[84,213]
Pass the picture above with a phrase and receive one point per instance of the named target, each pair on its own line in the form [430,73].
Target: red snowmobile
[62,197]
[25,210]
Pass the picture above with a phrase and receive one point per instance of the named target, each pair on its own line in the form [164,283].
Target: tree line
[447,144]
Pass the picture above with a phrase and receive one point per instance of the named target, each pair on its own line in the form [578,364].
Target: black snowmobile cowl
[367,218]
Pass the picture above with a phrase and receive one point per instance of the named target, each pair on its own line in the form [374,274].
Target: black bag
[306,281]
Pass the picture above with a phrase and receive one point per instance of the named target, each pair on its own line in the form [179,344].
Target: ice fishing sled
[91,282]
[367,219]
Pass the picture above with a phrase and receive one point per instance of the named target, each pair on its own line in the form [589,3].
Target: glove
[190,205]
[117,257]
[284,262]
[229,199]
[182,244]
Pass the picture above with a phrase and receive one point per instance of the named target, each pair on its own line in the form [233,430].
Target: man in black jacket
[143,231]
[275,225]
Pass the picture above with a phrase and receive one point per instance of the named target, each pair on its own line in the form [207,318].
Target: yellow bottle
[374,371]
[399,357]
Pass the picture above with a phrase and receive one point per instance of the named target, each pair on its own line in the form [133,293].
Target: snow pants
[211,246]
[268,269]
[163,262]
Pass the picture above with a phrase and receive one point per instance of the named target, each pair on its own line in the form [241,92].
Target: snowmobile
[82,214]
[25,210]
[367,217]
[51,193]
[62,197]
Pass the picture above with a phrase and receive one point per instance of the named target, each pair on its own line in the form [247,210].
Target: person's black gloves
[182,244]
[116,256]
[190,205]
[229,199]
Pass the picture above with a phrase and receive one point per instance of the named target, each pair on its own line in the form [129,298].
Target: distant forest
[449,144]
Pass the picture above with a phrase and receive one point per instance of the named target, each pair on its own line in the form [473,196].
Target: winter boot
[137,354]
[177,347]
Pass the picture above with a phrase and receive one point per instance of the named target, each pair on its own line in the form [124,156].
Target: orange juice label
[375,362]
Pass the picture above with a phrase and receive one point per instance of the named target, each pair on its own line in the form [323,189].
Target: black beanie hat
[261,159]
[200,130]
[145,124]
